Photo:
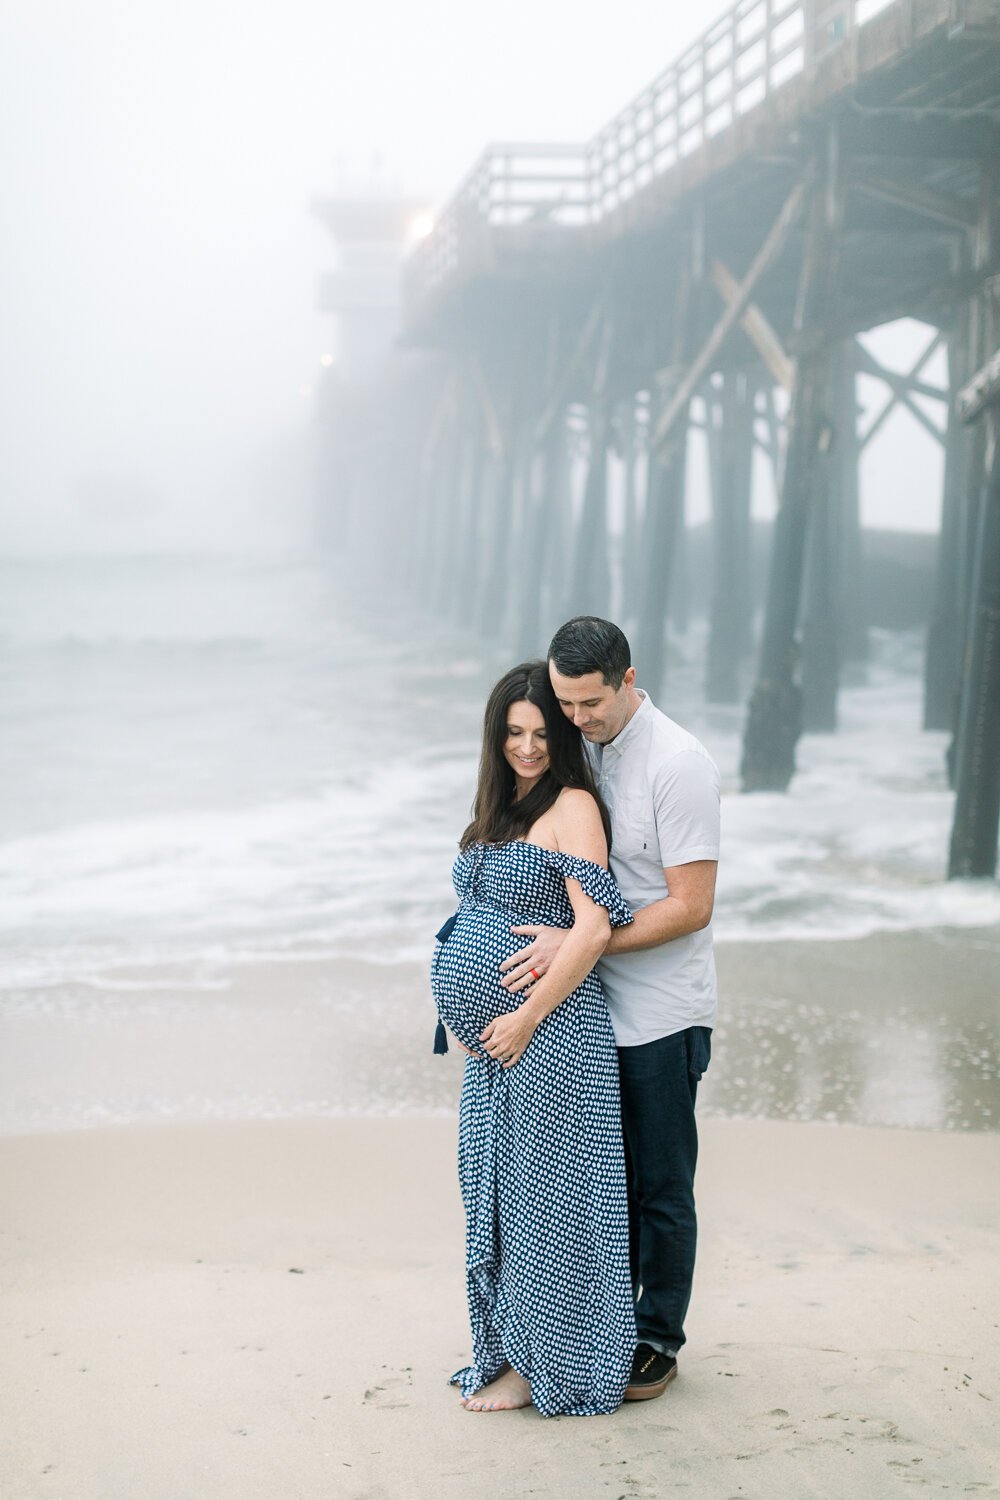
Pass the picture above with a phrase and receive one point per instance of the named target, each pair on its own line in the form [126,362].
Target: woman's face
[525,748]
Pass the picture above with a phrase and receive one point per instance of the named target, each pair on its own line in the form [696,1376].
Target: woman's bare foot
[508,1392]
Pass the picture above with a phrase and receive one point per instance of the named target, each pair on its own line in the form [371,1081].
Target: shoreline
[273,1309]
[892,1029]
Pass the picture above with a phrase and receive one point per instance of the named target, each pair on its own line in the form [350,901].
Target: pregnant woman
[540,1151]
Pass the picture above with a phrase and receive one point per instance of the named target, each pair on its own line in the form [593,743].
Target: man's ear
[629,678]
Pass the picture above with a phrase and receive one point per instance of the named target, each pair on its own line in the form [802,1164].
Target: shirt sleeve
[686,808]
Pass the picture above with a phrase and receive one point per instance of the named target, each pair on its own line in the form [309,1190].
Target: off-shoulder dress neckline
[543,849]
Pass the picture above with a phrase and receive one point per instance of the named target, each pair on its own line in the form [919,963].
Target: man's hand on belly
[538,956]
[506,1038]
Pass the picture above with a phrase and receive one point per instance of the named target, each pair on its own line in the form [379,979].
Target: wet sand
[893,1029]
[271,1311]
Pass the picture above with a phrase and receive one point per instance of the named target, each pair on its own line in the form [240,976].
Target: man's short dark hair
[589,644]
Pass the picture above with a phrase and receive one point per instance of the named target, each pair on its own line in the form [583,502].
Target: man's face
[598,710]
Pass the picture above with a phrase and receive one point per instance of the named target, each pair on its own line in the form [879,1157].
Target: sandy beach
[272,1310]
[251,1286]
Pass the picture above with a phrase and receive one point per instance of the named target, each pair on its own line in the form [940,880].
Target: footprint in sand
[390,1390]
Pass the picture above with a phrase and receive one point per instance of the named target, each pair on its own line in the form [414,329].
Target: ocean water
[232,789]
[206,758]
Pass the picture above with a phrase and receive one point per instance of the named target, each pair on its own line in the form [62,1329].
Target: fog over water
[159,263]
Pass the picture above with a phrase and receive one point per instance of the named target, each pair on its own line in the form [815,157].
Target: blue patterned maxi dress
[540,1152]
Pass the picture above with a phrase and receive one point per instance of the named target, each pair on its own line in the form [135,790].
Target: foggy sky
[159,264]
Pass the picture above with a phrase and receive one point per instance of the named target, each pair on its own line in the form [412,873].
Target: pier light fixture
[421,225]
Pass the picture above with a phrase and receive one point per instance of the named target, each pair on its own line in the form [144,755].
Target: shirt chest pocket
[634,829]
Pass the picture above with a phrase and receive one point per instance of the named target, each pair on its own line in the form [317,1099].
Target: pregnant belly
[465,973]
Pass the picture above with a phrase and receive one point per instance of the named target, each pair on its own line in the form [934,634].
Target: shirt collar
[624,736]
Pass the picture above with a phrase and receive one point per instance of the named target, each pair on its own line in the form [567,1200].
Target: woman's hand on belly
[506,1037]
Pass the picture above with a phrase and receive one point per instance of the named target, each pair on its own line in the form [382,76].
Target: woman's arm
[578,830]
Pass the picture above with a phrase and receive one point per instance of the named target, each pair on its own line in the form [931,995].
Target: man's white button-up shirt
[661,787]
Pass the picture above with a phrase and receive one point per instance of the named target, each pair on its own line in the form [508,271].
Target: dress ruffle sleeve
[596,883]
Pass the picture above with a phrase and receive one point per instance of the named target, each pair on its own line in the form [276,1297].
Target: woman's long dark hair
[497,817]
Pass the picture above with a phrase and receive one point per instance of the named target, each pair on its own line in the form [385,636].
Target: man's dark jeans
[659,1081]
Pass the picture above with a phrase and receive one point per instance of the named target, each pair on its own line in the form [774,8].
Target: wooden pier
[804,173]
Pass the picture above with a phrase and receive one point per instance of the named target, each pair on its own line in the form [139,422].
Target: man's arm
[687,907]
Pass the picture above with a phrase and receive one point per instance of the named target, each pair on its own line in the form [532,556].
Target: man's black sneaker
[652,1372]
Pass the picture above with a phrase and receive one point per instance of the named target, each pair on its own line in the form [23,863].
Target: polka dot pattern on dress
[541,1162]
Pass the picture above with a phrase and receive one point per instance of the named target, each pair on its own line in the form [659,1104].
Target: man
[662,791]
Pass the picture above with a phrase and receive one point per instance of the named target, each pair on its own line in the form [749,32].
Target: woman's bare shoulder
[577,825]
[577,801]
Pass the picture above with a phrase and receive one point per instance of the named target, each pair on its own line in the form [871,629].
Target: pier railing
[733,67]
[509,186]
[738,63]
